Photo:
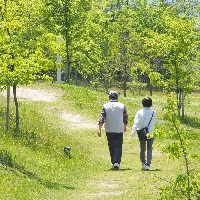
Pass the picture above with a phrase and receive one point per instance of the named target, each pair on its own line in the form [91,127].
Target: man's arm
[99,131]
[125,118]
[101,121]
[135,124]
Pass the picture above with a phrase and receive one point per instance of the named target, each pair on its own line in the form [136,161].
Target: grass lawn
[33,165]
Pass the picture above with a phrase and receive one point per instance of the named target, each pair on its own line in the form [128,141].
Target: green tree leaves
[25,45]
[109,43]
[186,185]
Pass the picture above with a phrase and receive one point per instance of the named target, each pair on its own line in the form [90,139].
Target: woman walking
[145,117]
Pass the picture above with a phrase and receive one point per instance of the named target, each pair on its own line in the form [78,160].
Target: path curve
[76,120]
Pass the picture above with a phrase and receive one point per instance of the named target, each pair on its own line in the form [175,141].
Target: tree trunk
[183,112]
[67,71]
[151,89]
[16,107]
[67,38]
[124,87]
[106,85]
[76,73]
[178,96]
[8,108]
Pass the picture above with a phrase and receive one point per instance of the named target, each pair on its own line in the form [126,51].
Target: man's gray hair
[113,94]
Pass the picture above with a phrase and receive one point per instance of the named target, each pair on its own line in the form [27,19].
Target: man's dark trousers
[115,141]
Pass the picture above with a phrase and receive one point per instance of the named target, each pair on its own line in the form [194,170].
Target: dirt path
[76,121]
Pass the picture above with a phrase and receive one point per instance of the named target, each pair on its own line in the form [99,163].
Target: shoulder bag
[142,132]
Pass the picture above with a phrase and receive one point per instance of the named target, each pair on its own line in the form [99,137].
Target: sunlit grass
[34,166]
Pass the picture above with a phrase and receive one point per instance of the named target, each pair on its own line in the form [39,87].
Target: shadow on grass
[191,121]
[126,169]
[8,163]
[153,170]
[114,170]
[31,139]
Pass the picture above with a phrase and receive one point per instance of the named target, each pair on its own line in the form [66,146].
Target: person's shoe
[116,166]
[147,167]
[143,166]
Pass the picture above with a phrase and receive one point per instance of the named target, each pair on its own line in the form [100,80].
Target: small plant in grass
[186,185]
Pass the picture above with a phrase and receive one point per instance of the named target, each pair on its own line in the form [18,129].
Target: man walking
[114,115]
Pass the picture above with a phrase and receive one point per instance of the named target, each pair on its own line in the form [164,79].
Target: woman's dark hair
[147,102]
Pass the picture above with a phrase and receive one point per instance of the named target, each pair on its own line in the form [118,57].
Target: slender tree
[25,45]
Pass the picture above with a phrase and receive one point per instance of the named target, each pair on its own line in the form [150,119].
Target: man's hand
[125,128]
[99,132]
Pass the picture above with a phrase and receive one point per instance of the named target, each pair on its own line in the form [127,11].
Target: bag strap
[150,119]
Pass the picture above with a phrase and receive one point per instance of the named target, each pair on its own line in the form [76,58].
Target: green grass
[33,165]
